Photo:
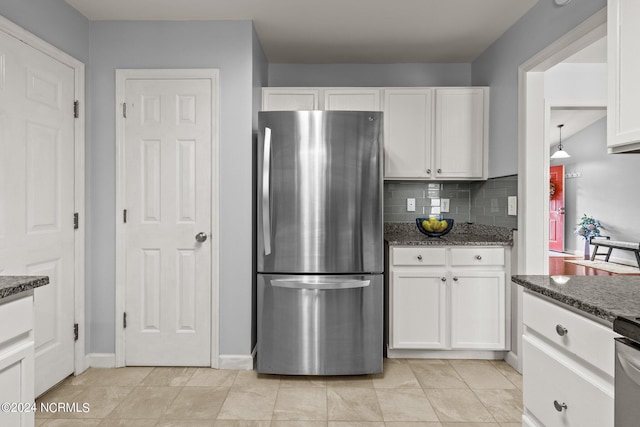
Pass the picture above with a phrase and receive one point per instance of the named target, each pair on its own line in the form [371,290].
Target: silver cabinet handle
[444,279]
[559,406]
[419,257]
[561,330]
[201,237]
[429,171]
[478,257]
[455,278]
[439,171]
[266,203]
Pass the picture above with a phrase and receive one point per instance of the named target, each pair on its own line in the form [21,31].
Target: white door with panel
[418,309]
[352,99]
[461,129]
[408,133]
[167,186]
[37,173]
[623,62]
[478,310]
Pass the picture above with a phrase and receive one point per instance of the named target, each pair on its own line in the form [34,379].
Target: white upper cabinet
[429,133]
[623,112]
[461,133]
[408,133]
[357,99]
[436,133]
[290,99]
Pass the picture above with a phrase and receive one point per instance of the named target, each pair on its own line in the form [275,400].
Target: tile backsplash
[482,202]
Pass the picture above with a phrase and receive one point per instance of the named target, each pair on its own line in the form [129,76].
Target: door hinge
[124,216]
[76,221]
[76,109]
[124,320]
[75,332]
[124,110]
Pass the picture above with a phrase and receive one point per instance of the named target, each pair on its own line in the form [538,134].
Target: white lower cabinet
[17,363]
[438,302]
[418,309]
[568,367]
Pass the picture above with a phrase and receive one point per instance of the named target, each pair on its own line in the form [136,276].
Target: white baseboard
[512,359]
[445,354]
[237,361]
[100,360]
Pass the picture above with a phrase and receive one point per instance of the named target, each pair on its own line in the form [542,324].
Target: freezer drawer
[320,325]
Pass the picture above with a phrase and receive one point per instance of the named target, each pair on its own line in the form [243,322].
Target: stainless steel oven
[627,373]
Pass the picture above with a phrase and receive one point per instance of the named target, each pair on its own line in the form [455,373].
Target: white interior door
[37,193]
[168,137]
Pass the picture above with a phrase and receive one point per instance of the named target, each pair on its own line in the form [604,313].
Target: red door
[556,208]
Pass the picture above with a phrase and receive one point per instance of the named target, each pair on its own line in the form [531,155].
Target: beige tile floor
[410,393]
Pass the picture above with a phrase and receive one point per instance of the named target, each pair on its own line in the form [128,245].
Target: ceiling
[341,31]
[574,120]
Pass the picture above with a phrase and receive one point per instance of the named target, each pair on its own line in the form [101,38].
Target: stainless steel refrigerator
[320,243]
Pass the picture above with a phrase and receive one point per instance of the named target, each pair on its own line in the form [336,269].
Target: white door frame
[37,43]
[533,142]
[533,157]
[122,75]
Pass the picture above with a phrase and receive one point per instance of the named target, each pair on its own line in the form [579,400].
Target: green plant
[588,227]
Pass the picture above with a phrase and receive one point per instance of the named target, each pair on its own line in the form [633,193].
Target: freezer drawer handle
[266,203]
[321,284]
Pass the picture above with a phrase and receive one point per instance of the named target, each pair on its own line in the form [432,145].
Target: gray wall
[51,20]
[606,189]
[226,45]
[305,75]
[497,67]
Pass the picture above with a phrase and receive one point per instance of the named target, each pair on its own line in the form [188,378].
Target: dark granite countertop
[605,297]
[11,286]
[464,234]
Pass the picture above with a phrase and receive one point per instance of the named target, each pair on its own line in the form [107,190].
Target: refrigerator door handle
[319,284]
[266,203]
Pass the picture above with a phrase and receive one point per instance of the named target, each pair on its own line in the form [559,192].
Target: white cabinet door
[408,133]
[478,309]
[623,112]
[352,99]
[418,309]
[17,384]
[461,130]
[290,99]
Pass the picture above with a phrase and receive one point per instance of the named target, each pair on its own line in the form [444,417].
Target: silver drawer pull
[455,278]
[559,406]
[561,330]
[419,257]
[478,257]
[444,279]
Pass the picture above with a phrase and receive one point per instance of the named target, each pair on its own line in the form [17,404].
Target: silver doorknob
[559,406]
[201,237]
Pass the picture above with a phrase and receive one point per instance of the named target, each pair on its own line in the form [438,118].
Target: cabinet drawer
[419,256]
[552,380]
[16,318]
[477,256]
[585,338]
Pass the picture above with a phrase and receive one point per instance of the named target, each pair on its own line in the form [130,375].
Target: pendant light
[560,154]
